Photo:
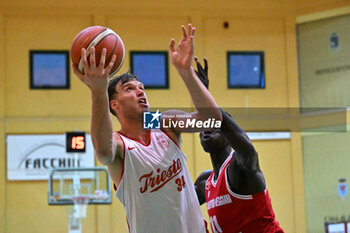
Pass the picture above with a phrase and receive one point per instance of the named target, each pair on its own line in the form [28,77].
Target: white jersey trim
[239,196]
[213,181]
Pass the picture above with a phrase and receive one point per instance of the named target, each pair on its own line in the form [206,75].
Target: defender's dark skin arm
[244,174]
[199,185]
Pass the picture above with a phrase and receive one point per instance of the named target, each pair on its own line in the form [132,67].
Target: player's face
[212,140]
[131,98]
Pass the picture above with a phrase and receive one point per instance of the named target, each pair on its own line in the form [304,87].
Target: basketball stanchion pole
[80,202]
[76,178]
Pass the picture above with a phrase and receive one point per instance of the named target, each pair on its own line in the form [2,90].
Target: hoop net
[79,207]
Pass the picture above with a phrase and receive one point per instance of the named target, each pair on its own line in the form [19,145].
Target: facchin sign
[29,157]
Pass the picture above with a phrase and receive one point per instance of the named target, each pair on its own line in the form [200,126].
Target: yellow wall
[26,25]
[2,180]
[305,7]
[2,132]
[325,90]
[43,32]
[326,157]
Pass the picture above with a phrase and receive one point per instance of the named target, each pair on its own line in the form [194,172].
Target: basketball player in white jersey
[147,167]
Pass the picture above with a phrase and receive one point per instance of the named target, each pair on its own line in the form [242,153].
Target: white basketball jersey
[156,189]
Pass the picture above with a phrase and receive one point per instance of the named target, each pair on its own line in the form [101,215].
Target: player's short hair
[112,90]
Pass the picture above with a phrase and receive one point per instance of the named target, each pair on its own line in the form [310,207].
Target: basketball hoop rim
[81,200]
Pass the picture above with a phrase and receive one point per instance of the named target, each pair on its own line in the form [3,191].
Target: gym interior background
[302,171]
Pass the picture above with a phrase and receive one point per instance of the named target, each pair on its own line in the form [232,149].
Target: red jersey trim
[206,226]
[149,134]
[124,154]
[128,223]
[170,138]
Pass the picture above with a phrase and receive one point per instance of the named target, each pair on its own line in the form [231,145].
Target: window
[49,69]
[246,69]
[151,68]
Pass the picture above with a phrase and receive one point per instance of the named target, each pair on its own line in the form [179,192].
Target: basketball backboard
[67,184]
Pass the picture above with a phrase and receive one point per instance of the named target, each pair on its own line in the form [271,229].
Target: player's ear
[114,104]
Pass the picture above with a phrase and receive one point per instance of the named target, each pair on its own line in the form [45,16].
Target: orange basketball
[100,37]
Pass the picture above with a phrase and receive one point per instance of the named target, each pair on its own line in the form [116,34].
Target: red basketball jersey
[233,213]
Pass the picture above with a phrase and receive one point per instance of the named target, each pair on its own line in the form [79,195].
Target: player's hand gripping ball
[100,37]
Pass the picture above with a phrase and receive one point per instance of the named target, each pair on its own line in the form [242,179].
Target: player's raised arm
[246,157]
[181,57]
[96,77]
[237,138]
